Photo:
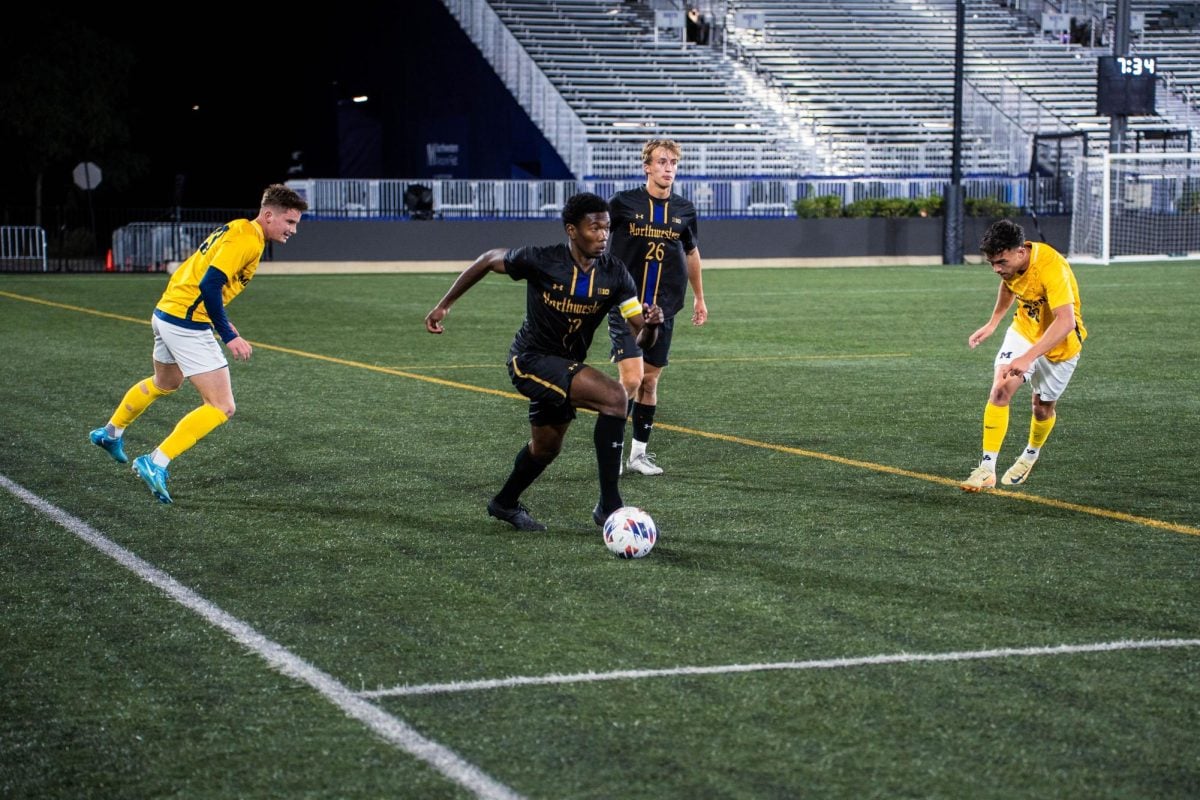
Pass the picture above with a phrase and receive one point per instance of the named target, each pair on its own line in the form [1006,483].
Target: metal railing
[542,199]
[22,248]
[154,246]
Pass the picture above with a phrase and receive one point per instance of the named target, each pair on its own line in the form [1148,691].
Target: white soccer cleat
[644,463]
[1018,472]
[980,478]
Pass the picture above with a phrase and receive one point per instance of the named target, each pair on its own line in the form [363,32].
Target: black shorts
[546,381]
[624,343]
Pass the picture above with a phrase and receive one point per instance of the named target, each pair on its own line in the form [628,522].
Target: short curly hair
[580,205]
[1000,236]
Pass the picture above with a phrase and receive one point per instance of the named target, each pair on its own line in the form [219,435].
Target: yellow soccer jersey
[1047,284]
[235,249]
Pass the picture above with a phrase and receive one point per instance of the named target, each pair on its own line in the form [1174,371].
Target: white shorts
[1046,378]
[196,352]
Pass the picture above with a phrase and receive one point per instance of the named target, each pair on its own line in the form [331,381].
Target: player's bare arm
[1004,300]
[491,261]
[699,309]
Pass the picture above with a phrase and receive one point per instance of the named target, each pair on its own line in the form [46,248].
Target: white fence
[155,245]
[514,199]
[22,248]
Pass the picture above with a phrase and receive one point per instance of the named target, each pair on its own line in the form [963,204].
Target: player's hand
[1017,367]
[978,336]
[652,314]
[699,313]
[433,320]
[239,348]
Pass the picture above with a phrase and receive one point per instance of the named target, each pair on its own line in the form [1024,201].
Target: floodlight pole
[952,244]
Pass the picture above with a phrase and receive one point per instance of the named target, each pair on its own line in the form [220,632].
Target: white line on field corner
[390,728]
[829,663]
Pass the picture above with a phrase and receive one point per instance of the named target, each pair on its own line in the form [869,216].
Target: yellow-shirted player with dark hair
[189,313]
[1042,345]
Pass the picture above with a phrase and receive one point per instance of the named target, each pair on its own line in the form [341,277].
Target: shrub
[988,207]
[830,205]
[819,207]
[882,207]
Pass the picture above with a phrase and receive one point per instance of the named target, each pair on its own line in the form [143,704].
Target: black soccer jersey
[563,304]
[652,237]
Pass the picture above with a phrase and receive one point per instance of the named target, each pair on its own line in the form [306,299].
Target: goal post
[1136,207]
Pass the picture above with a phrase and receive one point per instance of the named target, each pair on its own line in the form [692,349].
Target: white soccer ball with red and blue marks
[629,532]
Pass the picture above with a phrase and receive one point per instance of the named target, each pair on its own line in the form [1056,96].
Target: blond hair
[670,145]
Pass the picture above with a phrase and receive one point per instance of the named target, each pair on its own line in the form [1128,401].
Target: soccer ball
[629,532]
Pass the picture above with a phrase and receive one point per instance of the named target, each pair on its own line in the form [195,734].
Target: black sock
[643,421]
[609,436]
[524,472]
[629,408]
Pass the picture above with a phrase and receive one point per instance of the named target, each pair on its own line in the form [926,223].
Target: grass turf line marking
[829,663]
[924,476]
[1051,502]
[390,728]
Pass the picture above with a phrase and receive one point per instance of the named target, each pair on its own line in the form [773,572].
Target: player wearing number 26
[654,231]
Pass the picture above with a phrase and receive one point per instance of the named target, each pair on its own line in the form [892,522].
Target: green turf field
[327,612]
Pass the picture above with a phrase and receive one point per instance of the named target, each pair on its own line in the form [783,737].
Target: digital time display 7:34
[1125,85]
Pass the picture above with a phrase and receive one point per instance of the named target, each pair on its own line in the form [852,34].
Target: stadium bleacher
[846,87]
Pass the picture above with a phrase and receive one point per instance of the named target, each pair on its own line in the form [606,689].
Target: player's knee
[226,408]
[1043,411]
[615,402]
[545,452]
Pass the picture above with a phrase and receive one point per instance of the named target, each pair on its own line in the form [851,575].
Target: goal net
[1136,207]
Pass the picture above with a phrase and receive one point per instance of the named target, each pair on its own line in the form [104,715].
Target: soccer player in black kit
[654,232]
[570,290]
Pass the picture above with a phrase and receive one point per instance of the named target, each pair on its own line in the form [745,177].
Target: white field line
[830,663]
[390,728]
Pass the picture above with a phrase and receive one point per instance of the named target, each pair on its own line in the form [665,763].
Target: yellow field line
[1104,513]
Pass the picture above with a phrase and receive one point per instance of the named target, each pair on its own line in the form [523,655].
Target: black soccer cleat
[518,517]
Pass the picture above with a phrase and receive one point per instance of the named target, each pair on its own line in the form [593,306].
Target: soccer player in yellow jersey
[1041,347]
[188,317]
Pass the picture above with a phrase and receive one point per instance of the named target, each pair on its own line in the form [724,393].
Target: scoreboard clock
[1125,85]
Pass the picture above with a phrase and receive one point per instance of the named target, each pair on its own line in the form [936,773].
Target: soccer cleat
[598,515]
[1018,472]
[153,476]
[644,463]
[114,447]
[518,517]
[980,478]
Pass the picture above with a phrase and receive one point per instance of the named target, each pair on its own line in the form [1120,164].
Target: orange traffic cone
[108,261]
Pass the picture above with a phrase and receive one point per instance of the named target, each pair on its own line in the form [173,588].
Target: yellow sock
[995,425]
[136,400]
[195,426]
[1039,431]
